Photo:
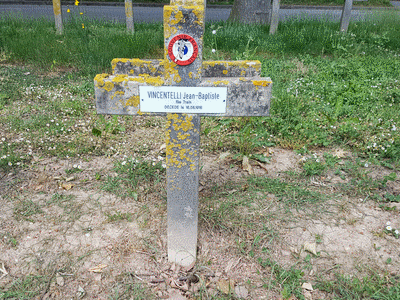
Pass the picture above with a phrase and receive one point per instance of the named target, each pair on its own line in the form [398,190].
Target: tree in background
[251,11]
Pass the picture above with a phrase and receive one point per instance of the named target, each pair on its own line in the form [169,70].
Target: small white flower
[214,32]
[123,163]
[388,223]
[396,232]
[389,228]
[366,165]
[213,50]
[10,163]
[394,128]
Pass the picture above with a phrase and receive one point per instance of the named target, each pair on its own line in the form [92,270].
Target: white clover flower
[213,50]
[389,228]
[214,31]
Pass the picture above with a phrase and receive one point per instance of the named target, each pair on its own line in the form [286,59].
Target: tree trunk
[251,11]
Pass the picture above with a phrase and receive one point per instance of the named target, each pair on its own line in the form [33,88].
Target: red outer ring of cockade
[183,37]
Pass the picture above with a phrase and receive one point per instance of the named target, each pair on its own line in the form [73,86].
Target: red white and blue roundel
[183,49]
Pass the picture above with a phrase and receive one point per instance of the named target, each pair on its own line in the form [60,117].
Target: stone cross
[183,88]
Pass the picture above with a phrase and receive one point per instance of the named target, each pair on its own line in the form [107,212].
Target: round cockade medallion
[183,49]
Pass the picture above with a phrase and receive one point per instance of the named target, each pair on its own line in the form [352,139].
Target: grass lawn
[368,3]
[83,196]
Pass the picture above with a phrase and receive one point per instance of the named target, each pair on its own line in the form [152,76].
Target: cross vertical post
[183,132]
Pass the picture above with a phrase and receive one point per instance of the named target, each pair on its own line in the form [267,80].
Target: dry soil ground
[64,236]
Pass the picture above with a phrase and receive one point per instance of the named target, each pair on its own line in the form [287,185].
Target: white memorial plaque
[176,99]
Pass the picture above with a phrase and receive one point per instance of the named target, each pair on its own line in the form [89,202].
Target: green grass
[373,286]
[132,175]
[284,2]
[26,288]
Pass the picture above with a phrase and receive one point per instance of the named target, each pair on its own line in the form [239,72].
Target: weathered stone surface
[136,67]
[183,158]
[155,67]
[120,94]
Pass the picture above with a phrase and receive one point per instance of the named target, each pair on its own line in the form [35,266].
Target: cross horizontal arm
[119,94]
[248,94]
[218,68]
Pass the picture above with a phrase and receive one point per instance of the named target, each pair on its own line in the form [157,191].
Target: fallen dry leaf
[307,286]
[263,166]
[246,165]
[98,269]
[226,286]
[339,153]
[67,186]
[310,247]
[59,280]
[3,270]
[241,292]
[223,156]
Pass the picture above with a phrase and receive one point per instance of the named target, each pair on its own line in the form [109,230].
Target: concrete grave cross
[183,88]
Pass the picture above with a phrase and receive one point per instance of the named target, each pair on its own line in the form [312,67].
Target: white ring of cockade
[183,49]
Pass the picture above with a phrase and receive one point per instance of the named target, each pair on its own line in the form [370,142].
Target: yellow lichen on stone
[99,79]
[183,136]
[120,78]
[198,11]
[154,81]
[108,86]
[261,82]
[224,82]
[168,29]
[177,154]
[133,101]
[187,2]
[242,64]
[178,18]
[170,72]
[185,125]
[243,73]
[120,93]
[117,60]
